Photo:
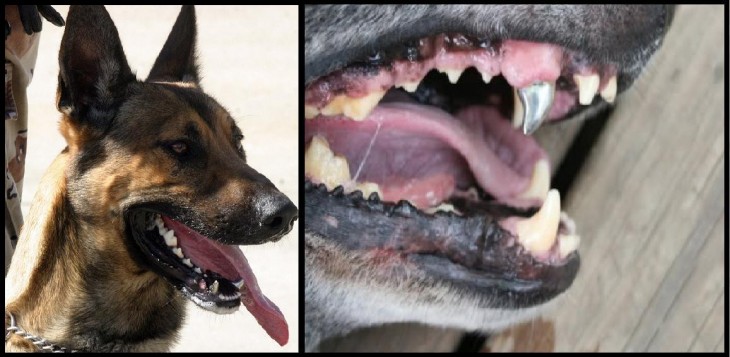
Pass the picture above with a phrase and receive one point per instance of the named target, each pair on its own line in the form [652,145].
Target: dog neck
[74,284]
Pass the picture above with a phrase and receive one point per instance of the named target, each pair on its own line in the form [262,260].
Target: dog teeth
[310,111]
[197,270]
[539,232]
[187,262]
[170,238]
[453,74]
[178,252]
[353,108]
[609,91]
[567,244]
[409,86]
[540,181]
[238,284]
[214,287]
[587,87]
[536,100]
[321,163]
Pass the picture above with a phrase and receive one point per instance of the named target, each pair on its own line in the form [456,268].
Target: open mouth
[216,277]
[423,147]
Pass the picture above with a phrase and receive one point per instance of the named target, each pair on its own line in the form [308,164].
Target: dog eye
[178,147]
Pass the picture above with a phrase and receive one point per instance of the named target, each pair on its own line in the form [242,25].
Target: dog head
[163,162]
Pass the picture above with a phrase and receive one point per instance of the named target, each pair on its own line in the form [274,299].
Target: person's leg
[21,51]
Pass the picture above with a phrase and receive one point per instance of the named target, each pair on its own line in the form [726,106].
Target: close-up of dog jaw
[427,199]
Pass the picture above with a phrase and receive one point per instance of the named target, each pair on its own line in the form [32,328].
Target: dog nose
[280,218]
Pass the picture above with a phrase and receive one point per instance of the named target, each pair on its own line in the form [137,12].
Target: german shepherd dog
[150,198]
[423,203]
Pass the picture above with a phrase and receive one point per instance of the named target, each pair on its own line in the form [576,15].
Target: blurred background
[248,61]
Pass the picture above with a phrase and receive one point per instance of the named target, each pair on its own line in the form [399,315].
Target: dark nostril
[284,217]
[274,222]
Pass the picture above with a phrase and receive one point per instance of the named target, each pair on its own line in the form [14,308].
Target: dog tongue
[230,263]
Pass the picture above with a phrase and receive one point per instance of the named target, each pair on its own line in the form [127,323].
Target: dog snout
[277,214]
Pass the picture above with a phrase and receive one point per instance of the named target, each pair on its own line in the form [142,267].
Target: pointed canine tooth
[587,87]
[518,113]
[310,111]
[353,108]
[539,232]
[537,99]
[178,252]
[609,91]
[197,270]
[567,244]
[321,163]
[238,284]
[453,74]
[162,230]
[187,262]
[409,86]
[486,78]
[540,181]
[170,238]
[214,287]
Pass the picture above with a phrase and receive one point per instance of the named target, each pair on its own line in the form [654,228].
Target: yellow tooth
[518,112]
[353,108]
[409,86]
[322,164]
[587,87]
[310,111]
[539,232]
[445,207]
[567,244]
[540,181]
[609,91]
[368,188]
[453,74]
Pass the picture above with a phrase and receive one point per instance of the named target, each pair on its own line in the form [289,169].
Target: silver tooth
[238,284]
[537,99]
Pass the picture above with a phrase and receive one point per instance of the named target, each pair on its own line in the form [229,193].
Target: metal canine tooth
[537,99]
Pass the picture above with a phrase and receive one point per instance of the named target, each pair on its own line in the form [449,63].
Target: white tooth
[353,108]
[214,287]
[539,232]
[609,91]
[587,87]
[310,111]
[178,252]
[409,86]
[187,262]
[162,230]
[368,188]
[486,78]
[197,270]
[518,113]
[453,74]
[321,163]
[170,238]
[540,181]
[567,244]
[238,284]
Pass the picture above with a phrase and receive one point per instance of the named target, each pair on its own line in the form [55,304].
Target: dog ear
[177,62]
[94,73]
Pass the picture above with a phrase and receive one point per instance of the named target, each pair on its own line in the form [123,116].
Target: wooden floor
[649,205]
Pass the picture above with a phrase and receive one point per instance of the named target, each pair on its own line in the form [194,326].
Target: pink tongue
[230,263]
[425,144]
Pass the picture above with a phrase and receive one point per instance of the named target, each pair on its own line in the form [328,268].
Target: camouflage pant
[21,51]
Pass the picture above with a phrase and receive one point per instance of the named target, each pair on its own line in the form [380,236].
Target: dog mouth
[422,147]
[214,276]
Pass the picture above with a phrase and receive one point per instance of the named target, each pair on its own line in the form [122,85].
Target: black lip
[150,251]
[476,258]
